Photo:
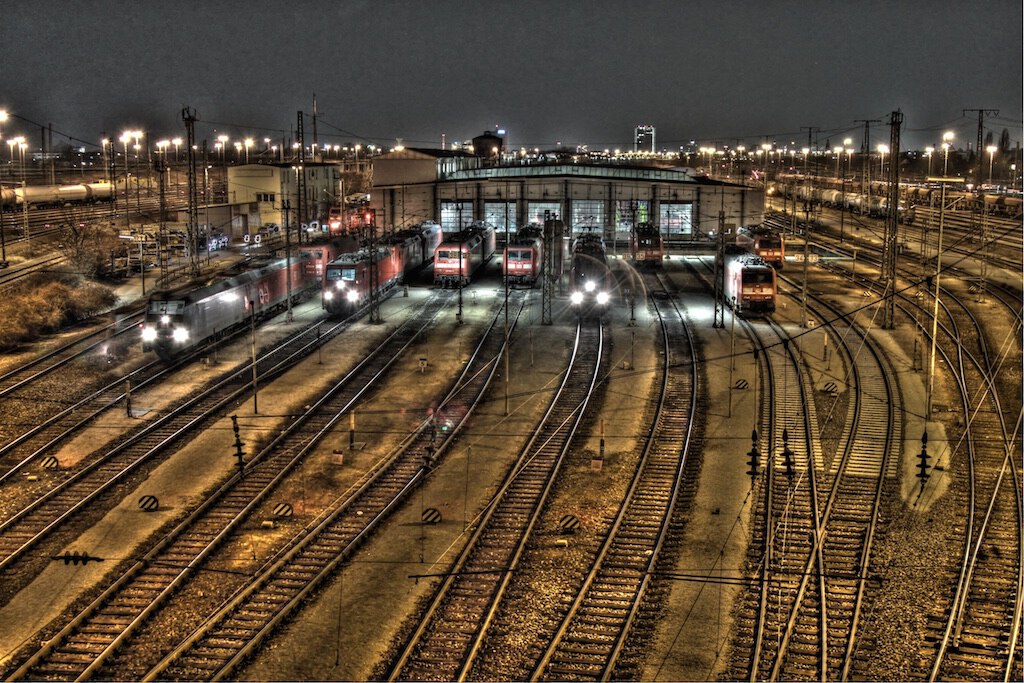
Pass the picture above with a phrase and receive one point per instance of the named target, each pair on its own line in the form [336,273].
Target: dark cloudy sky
[546,70]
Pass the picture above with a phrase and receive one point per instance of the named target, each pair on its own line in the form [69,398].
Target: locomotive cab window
[166,307]
[519,255]
[342,274]
[757,277]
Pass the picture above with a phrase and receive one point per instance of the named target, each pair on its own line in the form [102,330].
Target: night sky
[548,71]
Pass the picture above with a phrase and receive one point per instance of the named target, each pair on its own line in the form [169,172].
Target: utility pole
[300,181]
[188,115]
[547,293]
[811,130]
[890,241]
[719,274]
[374,272]
[161,169]
[865,152]
[316,143]
[981,132]
[288,258]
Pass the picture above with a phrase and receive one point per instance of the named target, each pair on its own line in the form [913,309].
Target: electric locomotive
[460,255]
[352,278]
[591,277]
[750,283]
[646,245]
[524,256]
[181,319]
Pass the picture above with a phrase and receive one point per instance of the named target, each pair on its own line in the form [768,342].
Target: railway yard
[452,486]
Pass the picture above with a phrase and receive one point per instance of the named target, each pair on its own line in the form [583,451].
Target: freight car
[750,283]
[524,256]
[590,292]
[39,196]
[462,254]
[647,245]
[178,320]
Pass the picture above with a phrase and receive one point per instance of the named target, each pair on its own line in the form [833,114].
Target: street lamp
[882,151]
[928,152]
[248,144]
[842,196]
[838,151]
[177,143]
[806,151]
[223,140]
[947,139]
[991,149]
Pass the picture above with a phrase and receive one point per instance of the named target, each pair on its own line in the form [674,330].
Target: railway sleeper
[571,669]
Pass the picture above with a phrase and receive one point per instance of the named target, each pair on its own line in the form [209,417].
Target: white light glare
[576,298]
[148,333]
[602,298]
[180,334]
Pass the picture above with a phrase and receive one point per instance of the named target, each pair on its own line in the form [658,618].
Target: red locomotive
[352,278]
[462,254]
[524,256]
[647,245]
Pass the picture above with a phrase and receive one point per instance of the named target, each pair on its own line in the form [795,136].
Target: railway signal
[922,465]
[754,458]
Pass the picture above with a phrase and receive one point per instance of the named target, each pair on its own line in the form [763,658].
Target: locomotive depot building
[454,188]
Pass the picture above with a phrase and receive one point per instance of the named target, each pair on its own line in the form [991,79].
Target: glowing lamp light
[602,298]
[589,286]
[576,298]
[328,295]
[165,319]
[148,333]
[352,295]
[180,335]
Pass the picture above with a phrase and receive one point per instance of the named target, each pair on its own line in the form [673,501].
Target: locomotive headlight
[165,319]
[328,295]
[602,298]
[576,298]
[589,285]
[148,333]
[352,295]
[339,285]
[180,334]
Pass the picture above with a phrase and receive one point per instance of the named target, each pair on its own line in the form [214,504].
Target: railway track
[26,528]
[86,644]
[851,502]
[45,363]
[452,629]
[245,620]
[974,631]
[592,634]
